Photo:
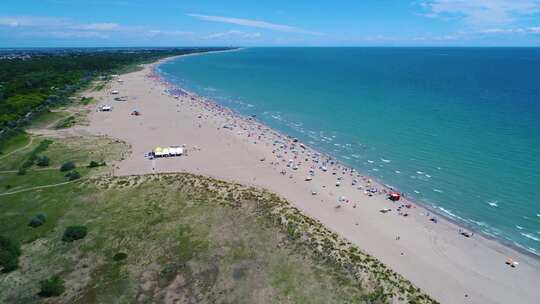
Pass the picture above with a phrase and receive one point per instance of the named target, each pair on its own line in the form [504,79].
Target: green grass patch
[52,287]
[83,150]
[99,86]
[47,118]
[10,182]
[86,100]
[178,239]
[15,142]
[10,251]
[65,123]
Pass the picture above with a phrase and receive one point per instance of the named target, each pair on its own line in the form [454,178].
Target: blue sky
[31,23]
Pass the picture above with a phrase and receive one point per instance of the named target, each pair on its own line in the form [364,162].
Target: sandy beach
[423,247]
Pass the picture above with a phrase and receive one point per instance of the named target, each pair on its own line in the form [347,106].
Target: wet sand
[434,256]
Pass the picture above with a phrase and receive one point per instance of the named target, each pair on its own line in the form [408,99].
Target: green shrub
[52,287]
[42,161]
[120,256]
[86,100]
[43,145]
[73,233]
[66,123]
[27,163]
[9,254]
[37,220]
[22,171]
[93,164]
[67,166]
[73,175]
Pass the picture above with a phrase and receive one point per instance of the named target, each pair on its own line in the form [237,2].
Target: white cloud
[254,23]
[68,28]
[481,12]
[234,33]
[154,33]
[518,30]
[68,34]
[98,26]
[28,21]
[53,22]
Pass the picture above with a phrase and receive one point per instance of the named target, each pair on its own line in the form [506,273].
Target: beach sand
[433,256]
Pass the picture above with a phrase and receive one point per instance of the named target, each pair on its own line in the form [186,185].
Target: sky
[95,23]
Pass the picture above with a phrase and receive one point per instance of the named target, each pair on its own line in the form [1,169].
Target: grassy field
[14,143]
[185,241]
[80,150]
[47,118]
[189,239]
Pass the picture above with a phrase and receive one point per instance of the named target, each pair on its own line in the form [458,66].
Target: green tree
[42,161]
[73,175]
[73,233]
[9,254]
[37,220]
[52,287]
[67,166]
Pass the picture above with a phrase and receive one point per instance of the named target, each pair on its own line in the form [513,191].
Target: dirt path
[39,187]
[20,149]
[39,169]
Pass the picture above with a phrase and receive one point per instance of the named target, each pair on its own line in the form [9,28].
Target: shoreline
[432,256]
[455,221]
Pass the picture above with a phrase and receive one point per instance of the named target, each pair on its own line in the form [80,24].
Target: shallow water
[457,129]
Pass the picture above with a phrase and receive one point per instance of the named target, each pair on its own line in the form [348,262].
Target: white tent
[158,152]
[169,151]
[176,151]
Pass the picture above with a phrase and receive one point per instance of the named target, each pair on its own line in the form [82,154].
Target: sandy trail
[446,265]
[19,149]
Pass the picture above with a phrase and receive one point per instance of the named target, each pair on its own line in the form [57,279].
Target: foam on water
[530,236]
[493,204]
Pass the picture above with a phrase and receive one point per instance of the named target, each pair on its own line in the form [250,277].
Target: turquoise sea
[457,129]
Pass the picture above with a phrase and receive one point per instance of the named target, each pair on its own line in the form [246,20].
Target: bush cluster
[73,175]
[21,171]
[42,161]
[67,166]
[52,287]
[120,256]
[37,220]
[9,254]
[43,145]
[73,233]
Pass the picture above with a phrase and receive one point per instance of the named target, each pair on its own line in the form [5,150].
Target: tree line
[32,83]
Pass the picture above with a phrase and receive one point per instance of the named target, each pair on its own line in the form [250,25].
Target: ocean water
[457,129]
